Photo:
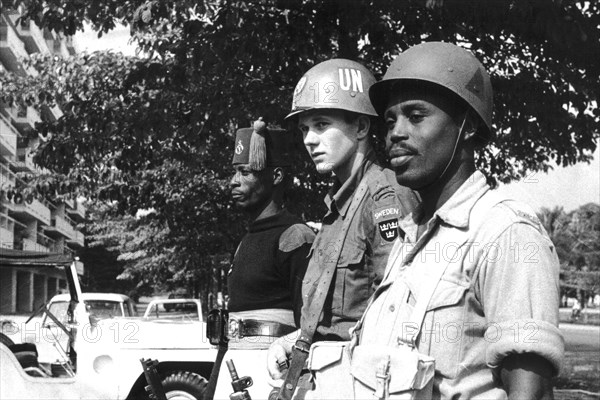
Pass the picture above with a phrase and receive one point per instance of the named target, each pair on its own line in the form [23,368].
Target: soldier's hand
[279,352]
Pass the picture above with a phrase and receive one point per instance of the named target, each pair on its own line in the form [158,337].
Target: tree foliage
[576,236]
[144,254]
[156,131]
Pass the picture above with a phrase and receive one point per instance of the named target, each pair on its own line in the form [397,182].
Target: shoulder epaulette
[295,236]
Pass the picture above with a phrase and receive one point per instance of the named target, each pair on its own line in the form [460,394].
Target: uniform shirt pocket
[442,334]
[352,281]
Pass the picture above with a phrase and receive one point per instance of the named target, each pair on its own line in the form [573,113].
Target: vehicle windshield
[102,309]
[59,310]
[181,310]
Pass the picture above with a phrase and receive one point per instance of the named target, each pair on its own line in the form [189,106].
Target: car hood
[153,334]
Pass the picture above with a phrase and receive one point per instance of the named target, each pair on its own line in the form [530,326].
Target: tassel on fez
[257,157]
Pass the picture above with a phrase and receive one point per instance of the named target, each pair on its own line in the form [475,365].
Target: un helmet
[337,83]
[444,64]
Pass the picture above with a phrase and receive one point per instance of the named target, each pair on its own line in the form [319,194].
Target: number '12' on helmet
[334,84]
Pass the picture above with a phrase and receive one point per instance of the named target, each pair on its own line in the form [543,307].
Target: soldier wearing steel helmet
[332,110]
[473,288]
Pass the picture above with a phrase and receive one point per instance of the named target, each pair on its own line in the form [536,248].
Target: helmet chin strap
[460,133]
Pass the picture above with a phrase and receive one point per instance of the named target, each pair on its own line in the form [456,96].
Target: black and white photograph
[299,199]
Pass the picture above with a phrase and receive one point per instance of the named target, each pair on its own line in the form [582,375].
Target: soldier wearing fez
[265,279]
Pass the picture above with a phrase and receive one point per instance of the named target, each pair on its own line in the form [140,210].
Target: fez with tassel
[261,147]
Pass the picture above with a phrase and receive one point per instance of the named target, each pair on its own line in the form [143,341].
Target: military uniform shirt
[498,295]
[369,240]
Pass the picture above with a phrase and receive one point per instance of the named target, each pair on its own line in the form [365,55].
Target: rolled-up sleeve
[519,291]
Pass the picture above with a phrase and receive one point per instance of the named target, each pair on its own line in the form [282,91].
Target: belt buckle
[236,328]
[302,346]
[410,344]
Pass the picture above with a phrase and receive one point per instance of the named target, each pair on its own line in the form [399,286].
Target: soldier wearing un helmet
[478,304]
[332,110]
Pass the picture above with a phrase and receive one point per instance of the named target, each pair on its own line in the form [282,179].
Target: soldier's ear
[364,126]
[278,176]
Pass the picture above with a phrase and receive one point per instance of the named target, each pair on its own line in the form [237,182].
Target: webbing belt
[240,328]
[317,296]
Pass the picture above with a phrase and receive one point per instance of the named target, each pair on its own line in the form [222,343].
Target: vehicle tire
[5,340]
[184,385]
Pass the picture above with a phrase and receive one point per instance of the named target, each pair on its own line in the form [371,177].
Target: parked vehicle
[178,294]
[46,333]
[22,375]
[100,358]
[99,305]
[192,309]
[176,339]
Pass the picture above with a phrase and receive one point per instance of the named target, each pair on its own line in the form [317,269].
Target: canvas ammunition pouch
[369,372]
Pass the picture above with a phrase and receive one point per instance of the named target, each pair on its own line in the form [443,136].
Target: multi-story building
[29,222]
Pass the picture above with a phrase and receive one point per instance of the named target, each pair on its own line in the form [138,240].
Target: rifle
[239,384]
[155,388]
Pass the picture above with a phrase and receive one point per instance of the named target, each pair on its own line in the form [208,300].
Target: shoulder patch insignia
[386,219]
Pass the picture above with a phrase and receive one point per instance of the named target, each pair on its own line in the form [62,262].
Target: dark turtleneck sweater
[269,265]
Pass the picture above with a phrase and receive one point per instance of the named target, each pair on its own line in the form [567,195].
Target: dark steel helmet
[444,64]
[337,83]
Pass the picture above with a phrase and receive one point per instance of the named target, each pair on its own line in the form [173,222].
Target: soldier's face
[330,140]
[251,190]
[422,128]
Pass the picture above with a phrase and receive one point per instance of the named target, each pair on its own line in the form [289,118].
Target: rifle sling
[301,348]
[209,393]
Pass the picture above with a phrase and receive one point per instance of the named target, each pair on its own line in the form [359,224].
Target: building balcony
[69,252]
[33,38]
[24,118]
[7,238]
[24,161]
[7,178]
[60,47]
[61,227]
[48,243]
[32,245]
[7,231]
[12,49]
[77,241]
[8,138]
[53,113]
[75,210]
[36,209]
